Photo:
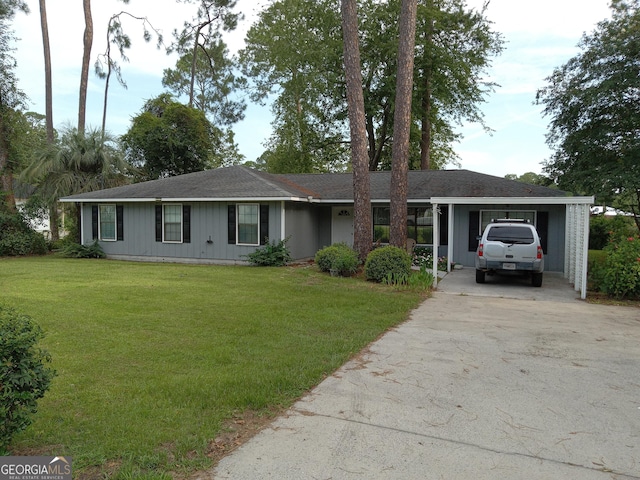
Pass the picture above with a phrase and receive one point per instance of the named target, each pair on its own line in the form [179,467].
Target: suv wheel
[480,276]
[536,279]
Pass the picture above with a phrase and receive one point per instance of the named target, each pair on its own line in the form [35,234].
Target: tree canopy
[168,138]
[11,100]
[593,101]
[78,162]
[214,81]
[293,57]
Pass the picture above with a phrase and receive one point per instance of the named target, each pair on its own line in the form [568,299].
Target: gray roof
[239,182]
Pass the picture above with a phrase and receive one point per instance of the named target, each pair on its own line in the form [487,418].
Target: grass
[154,360]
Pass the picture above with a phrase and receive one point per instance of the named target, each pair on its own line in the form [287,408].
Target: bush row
[339,258]
[616,271]
[390,265]
[17,238]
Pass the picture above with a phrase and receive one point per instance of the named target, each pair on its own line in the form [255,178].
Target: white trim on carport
[576,230]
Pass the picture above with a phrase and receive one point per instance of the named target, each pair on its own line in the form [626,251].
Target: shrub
[602,229]
[340,257]
[620,274]
[274,254]
[17,238]
[76,250]
[422,279]
[423,256]
[595,268]
[24,376]
[387,262]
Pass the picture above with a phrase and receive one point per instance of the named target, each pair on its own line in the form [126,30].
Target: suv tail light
[481,248]
[539,255]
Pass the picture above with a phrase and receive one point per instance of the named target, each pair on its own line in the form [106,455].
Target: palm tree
[78,163]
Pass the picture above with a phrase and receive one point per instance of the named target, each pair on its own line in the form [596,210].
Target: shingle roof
[240,182]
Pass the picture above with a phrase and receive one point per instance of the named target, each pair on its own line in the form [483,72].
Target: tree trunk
[194,60]
[425,139]
[362,225]
[107,78]
[44,25]
[402,124]
[8,203]
[86,58]
[7,199]
[47,72]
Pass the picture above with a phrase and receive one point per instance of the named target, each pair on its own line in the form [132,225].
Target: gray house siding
[464,249]
[301,226]
[208,233]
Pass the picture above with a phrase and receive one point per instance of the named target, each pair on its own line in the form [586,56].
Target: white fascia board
[184,200]
[375,200]
[514,200]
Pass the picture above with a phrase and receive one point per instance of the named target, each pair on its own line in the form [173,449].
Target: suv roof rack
[510,220]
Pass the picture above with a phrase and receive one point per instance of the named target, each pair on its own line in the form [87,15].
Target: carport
[576,233]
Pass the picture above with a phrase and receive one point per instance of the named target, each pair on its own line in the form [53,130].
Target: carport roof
[242,183]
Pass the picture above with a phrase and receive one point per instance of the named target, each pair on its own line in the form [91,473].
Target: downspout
[436,237]
[283,230]
[81,226]
[450,238]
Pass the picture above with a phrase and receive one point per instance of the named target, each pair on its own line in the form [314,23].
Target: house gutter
[514,200]
[195,199]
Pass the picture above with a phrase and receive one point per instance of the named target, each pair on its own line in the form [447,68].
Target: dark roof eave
[71,199]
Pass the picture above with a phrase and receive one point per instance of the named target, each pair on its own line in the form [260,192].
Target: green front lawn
[154,359]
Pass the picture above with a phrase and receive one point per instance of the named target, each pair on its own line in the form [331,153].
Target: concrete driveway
[494,381]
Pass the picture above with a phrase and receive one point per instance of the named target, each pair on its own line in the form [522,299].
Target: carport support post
[450,236]
[436,238]
[585,211]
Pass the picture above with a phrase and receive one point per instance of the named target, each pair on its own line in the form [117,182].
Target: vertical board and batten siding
[464,237]
[208,221]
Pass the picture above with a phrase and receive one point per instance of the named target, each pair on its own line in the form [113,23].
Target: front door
[342,225]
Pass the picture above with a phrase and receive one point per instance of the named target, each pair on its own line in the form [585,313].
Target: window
[381,222]
[172,223]
[248,224]
[107,222]
[487,215]
[419,224]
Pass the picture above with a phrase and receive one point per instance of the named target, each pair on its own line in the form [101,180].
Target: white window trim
[238,224]
[181,223]
[115,222]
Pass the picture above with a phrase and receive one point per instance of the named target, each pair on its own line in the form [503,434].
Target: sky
[539,36]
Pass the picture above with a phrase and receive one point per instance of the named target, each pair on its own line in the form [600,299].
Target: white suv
[508,246]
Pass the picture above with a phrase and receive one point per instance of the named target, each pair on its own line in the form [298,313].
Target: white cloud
[558,18]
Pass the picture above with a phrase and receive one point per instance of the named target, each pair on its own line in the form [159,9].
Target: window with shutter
[107,223]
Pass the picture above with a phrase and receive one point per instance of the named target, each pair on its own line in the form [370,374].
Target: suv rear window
[510,234]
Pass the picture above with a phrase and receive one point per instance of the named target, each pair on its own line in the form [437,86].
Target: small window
[172,223]
[487,215]
[248,224]
[107,222]
[510,234]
